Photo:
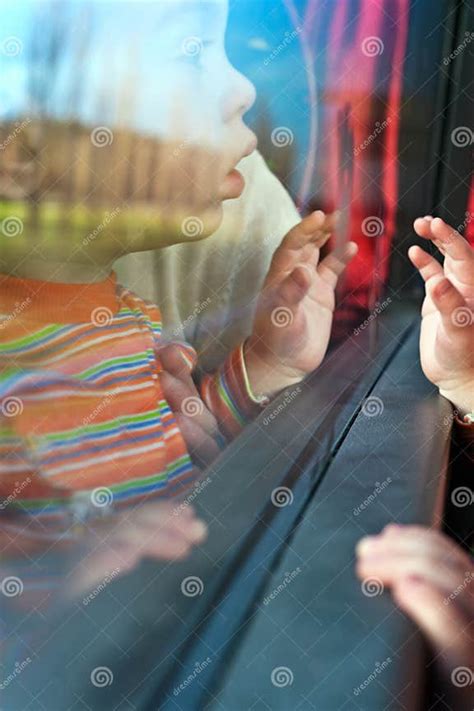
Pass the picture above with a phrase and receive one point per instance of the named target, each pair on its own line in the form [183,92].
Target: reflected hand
[164,530]
[432,581]
[295,310]
[447,329]
[197,424]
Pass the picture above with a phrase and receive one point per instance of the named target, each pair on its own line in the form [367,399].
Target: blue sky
[255,30]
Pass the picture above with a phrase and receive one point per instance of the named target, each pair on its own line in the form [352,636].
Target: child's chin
[158,231]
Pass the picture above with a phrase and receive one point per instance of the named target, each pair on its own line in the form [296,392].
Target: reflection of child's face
[157,77]
[198,83]
[195,101]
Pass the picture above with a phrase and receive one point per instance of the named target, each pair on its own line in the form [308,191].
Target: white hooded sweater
[207,290]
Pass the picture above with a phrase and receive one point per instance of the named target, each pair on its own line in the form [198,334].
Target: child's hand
[295,309]
[432,581]
[195,421]
[447,329]
[165,530]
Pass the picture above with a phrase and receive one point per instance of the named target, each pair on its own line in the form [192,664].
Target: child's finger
[161,512]
[192,530]
[294,287]
[174,534]
[450,304]
[312,232]
[452,242]
[201,445]
[422,226]
[444,625]
[389,566]
[415,530]
[174,540]
[132,526]
[177,358]
[184,399]
[425,263]
[415,539]
[332,266]
[167,546]
[316,227]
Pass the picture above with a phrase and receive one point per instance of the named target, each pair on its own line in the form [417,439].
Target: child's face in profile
[203,92]
[195,101]
[198,101]
[156,76]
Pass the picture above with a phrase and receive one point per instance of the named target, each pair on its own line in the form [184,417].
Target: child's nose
[240,97]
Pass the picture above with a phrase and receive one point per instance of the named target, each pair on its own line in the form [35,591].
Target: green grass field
[52,213]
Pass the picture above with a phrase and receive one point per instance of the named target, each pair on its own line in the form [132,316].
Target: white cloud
[258,43]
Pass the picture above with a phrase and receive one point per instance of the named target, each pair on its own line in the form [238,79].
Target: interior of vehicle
[363,106]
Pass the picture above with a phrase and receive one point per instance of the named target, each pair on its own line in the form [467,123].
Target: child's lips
[234,182]
[233,185]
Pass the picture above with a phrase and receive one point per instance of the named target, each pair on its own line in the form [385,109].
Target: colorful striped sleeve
[227,393]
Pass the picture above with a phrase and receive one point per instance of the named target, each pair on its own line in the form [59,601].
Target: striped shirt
[83,419]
